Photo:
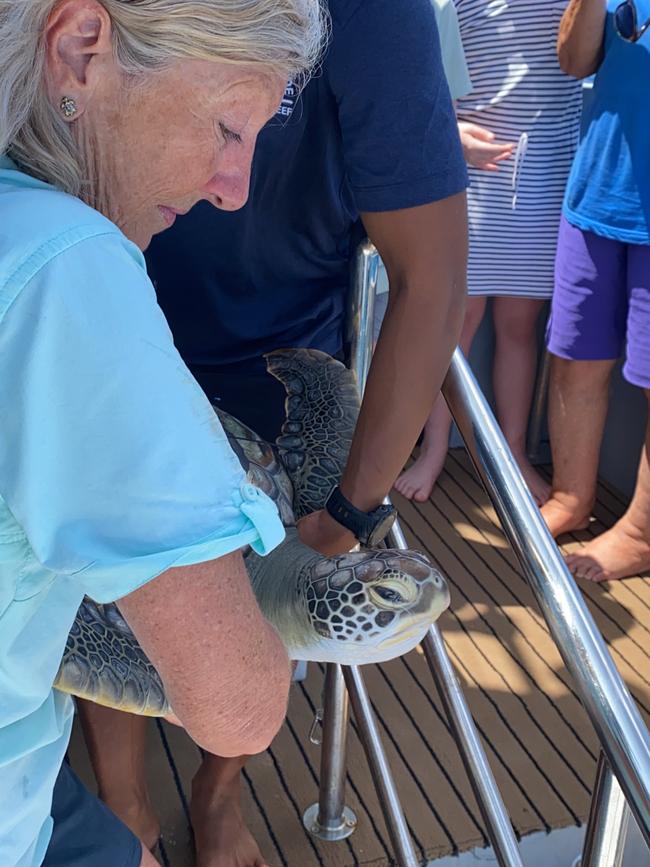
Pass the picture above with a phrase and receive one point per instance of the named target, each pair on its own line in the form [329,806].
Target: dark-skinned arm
[424,250]
[580,40]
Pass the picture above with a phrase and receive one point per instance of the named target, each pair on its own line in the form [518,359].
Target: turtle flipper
[322,407]
[104,663]
[261,463]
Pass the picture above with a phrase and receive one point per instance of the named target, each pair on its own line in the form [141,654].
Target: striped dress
[521,95]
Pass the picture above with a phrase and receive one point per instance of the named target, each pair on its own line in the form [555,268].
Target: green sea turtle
[362,607]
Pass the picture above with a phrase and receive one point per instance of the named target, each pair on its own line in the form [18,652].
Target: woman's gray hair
[279,36]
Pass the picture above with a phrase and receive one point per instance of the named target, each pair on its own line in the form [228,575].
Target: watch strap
[360,524]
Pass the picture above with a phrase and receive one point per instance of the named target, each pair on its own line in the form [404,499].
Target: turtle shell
[262,464]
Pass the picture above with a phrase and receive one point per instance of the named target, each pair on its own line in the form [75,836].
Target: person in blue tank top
[369,147]
[601,306]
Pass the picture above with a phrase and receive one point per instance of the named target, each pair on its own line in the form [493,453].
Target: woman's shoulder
[33,213]
[39,223]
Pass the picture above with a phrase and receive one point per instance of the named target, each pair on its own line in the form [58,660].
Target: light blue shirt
[608,192]
[113,468]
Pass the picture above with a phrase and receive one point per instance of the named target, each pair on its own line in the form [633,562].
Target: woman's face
[160,144]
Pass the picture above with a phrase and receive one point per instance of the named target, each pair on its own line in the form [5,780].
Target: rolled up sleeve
[111,457]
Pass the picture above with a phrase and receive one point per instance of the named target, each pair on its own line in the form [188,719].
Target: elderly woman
[115,116]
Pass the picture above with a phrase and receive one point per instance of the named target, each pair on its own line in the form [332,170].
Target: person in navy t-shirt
[369,146]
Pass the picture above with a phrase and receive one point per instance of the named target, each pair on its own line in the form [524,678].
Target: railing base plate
[348,824]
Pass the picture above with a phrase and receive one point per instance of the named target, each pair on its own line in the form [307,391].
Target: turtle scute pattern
[321,410]
[261,463]
[104,663]
[356,597]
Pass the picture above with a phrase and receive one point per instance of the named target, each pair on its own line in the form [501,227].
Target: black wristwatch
[370,528]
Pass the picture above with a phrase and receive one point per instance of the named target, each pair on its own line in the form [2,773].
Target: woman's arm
[580,40]
[225,670]
[480,149]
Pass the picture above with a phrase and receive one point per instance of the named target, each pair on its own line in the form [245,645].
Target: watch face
[380,532]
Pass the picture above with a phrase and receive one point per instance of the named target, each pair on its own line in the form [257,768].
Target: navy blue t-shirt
[374,130]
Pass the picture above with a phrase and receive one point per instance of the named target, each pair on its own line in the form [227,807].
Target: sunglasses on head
[626,22]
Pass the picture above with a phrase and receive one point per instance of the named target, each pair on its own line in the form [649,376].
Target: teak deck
[539,742]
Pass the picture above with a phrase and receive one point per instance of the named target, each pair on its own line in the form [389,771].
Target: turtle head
[374,605]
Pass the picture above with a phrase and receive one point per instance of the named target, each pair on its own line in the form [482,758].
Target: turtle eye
[393,592]
[388,595]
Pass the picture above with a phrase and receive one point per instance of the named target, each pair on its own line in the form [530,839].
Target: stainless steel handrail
[330,818]
[620,729]
[498,826]
[624,738]
[608,820]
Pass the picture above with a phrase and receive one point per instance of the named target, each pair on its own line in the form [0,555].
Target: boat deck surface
[538,739]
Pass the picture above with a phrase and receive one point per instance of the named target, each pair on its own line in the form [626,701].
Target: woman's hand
[322,533]
[480,149]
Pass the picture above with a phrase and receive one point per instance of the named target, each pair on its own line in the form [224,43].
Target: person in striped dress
[519,128]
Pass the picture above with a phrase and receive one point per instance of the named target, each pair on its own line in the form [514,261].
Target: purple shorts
[601,302]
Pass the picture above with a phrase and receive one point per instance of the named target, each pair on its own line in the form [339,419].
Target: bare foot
[618,553]
[539,487]
[137,814]
[417,482]
[220,836]
[562,517]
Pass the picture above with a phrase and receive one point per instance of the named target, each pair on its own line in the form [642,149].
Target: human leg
[417,482]
[515,363]
[116,746]
[221,837]
[577,409]
[585,337]
[220,834]
[625,548]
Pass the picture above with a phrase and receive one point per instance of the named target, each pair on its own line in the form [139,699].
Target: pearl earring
[68,106]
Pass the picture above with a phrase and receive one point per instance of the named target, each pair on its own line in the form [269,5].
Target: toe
[572,561]
[402,486]
[597,574]
[592,573]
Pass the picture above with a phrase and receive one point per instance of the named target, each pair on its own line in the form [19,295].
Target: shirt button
[250,492]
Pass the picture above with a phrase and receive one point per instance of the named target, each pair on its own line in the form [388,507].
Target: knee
[473,317]
[569,373]
[517,330]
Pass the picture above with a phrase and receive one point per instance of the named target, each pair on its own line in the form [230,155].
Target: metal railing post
[380,769]
[361,309]
[620,729]
[499,829]
[497,823]
[330,819]
[608,821]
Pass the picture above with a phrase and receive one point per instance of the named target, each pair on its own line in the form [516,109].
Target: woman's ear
[78,44]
